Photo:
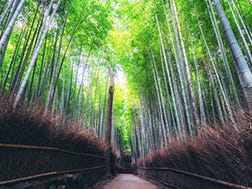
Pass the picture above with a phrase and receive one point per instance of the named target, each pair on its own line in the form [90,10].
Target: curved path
[129,181]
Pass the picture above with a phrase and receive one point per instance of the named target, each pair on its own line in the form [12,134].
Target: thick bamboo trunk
[244,73]
[7,9]
[222,50]
[8,30]
[181,68]
[188,73]
[160,100]
[42,35]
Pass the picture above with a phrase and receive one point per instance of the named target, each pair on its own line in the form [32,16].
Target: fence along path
[176,178]
[102,164]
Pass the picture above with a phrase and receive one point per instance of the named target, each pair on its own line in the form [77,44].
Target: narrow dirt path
[129,181]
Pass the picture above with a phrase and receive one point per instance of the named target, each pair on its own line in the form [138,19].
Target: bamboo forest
[97,91]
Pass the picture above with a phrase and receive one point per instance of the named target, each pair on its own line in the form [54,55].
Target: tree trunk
[3,41]
[109,115]
[7,9]
[244,73]
[246,45]
[188,73]
[222,51]
[47,21]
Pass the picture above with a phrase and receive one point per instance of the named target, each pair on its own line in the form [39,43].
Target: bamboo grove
[179,65]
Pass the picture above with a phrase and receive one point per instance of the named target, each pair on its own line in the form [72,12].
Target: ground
[127,181]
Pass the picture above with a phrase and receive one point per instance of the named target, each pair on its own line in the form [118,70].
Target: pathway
[129,181]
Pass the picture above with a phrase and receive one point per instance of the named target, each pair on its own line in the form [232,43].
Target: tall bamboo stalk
[244,73]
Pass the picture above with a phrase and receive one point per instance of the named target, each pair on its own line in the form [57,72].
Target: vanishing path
[128,181]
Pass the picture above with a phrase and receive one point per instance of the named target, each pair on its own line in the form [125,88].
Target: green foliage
[86,33]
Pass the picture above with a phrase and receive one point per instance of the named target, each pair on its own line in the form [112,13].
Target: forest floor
[129,181]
